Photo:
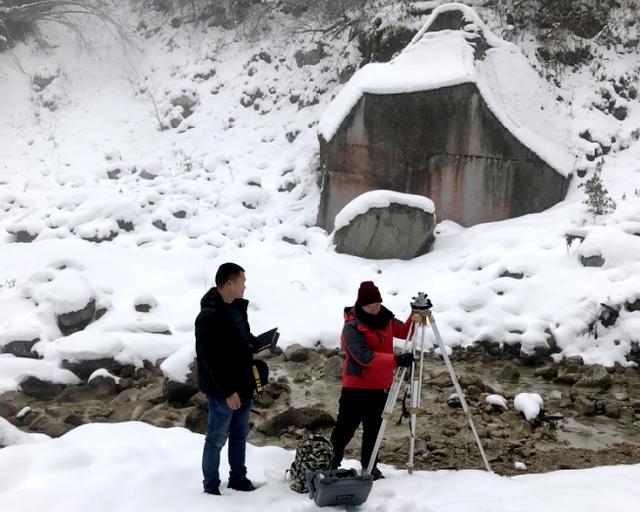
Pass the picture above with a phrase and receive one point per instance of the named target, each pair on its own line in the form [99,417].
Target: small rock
[179,392]
[573,360]
[454,401]
[310,418]
[40,389]
[7,409]
[333,367]
[264,400]
[592,261]
[612,409]
[296,353]
[20,348]
[84,369]
[509,373]
[595,376]
[103,386]
[567,378]
[75,321]
[547,372]
[585,406]
[46,425]
[277,388]
[197,420]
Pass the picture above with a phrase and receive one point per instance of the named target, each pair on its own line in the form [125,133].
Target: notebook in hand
[266,340]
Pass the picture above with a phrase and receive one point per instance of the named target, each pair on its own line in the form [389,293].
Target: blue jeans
[225,423]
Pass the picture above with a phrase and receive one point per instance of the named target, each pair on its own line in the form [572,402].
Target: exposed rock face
[444,144]
[398,231]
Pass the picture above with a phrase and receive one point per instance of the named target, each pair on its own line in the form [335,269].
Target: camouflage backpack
[314,453]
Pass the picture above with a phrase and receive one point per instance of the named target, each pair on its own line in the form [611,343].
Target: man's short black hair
[227,272]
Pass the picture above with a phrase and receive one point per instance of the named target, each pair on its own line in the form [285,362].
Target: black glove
[405,359]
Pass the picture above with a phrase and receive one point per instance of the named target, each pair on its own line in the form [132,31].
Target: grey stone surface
[304,417]
[509,373]
[445,144]
[41,389]
[75,321]
[398,231]
[84,369]
[595,376]
[20,348]
[333,367]
[296,353]
[592,261]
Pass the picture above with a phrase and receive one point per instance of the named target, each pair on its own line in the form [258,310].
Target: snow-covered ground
[136,467]
[123,212]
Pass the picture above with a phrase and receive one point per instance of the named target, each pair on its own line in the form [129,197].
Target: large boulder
[402,228]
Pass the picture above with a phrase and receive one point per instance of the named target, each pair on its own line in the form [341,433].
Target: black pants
[358,406]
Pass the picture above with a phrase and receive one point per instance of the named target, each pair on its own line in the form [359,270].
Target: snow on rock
[380,199]
[82,346]
[103,372]
[10,435]
[98,230]
[176,366]
[65,291]
[14,369]
[520,465]
[529,404]
[497,400]
[509,85]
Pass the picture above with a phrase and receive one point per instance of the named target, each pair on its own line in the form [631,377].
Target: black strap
[405,410]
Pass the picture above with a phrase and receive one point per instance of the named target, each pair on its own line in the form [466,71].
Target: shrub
[18,18]
[598,200]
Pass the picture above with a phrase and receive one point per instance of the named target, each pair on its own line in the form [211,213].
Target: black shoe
[242,485]
[376,474]
[215,491]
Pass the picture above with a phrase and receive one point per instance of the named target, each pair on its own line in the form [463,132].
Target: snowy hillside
[120,205]
[130,169]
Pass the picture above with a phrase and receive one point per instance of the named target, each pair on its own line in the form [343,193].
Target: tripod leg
[416,390]
[456,384]
[386,415]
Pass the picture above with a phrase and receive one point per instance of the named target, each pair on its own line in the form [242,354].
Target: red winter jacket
[369,360]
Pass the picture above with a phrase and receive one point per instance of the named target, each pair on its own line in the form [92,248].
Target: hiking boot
[242,485]
[214,491]
[376,474]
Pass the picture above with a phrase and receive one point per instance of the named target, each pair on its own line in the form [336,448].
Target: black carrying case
[338,487]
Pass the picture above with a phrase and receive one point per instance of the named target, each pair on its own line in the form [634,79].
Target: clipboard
[266,340]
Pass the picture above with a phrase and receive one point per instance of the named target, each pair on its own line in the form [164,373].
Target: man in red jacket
[367,338]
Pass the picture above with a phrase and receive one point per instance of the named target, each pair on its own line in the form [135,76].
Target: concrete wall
[444,144]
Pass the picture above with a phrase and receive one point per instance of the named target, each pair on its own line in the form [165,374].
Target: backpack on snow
[314,453]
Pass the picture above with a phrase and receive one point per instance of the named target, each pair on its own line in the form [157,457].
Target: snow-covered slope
[120,209]
[137,467]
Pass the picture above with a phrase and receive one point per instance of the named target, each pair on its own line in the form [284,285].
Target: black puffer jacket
[224,358]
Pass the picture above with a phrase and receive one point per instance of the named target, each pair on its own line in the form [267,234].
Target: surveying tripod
[421,315]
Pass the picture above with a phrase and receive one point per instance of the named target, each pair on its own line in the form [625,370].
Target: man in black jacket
[225,360]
